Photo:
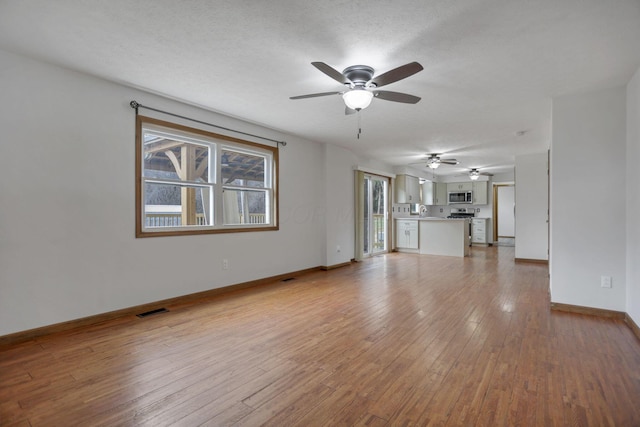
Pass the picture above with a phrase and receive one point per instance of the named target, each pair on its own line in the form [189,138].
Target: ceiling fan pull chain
[359,125]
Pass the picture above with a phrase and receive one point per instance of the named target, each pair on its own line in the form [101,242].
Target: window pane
[245,207]
[242,169]
[167,205]
[182,176]
[166,158]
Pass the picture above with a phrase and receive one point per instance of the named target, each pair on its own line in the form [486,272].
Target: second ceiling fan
[434,160]
[362,85]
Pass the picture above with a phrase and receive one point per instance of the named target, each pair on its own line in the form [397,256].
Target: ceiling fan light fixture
[357,99]
[433,165]
[474,174]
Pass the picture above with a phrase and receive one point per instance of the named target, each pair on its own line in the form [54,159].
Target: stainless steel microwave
[456,197]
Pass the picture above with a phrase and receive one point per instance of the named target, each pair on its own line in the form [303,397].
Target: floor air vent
[288,279]
[152,312]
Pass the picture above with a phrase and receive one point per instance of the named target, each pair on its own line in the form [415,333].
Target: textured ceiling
[490,67]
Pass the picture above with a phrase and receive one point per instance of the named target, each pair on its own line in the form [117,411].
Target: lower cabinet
[479,230]
[406,234]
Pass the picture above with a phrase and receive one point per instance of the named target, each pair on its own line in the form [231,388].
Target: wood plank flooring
[396,340]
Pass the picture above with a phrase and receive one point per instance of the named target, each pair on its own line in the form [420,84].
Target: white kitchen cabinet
[440,194]
[480,193]
[407,189]
[406,234]
[428,196]
[479,228]
[459,186]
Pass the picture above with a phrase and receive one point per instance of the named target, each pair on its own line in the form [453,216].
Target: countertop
[431,218]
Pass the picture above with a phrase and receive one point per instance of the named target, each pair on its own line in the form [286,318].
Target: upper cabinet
[480,193]
[407,189]
[440,194]
[479,189]
[434,193]
[427,193]
[459,186]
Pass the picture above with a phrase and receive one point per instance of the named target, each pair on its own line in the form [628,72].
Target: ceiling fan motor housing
[359,74]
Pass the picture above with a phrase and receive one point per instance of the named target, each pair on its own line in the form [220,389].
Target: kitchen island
[443,236]
[433,236]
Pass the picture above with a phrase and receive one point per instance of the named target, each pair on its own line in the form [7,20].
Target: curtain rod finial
[134,104]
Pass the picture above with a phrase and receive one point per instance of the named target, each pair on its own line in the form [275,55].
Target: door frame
[495,208]
[387,238]
[359,216]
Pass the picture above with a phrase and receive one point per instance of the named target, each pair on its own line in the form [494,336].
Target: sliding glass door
[375,195]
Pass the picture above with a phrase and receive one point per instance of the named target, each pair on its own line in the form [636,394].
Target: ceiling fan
[434,160]
[474,174]
[362,85]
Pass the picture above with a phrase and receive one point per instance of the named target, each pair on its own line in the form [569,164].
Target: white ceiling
[490,67]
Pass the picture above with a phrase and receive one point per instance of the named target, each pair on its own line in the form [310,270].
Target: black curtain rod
[137,105]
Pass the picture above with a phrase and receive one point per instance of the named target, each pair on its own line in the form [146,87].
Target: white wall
[339,209]
[67,245]
[588,172]
[633,198]
[504,178]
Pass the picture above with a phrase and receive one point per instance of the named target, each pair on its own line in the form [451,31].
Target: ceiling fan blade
[396,96]
[315,95]
[402,72]
[348,111]
[331,72]
[450,162]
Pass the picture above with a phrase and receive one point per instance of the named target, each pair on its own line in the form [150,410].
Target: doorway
[504,214]
[375,209]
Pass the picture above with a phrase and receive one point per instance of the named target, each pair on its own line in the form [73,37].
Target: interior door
[506,209]
[376,236]
[503,212]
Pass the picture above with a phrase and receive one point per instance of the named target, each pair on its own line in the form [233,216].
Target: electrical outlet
[225,264]
[605,281]
[338,249]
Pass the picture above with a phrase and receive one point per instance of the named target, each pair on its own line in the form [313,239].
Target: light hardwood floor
[398,339]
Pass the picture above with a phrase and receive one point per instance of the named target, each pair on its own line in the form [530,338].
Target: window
[191,181]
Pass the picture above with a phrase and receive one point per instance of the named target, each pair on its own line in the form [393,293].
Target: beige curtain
[359,217]
[231,207]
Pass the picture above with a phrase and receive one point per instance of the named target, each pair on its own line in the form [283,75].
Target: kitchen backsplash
[401,210]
